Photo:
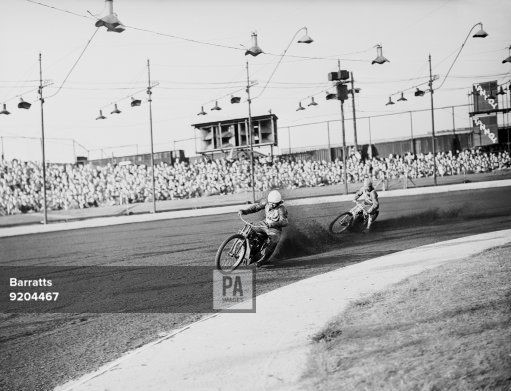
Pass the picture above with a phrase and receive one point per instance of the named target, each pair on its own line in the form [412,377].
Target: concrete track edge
[116,220]
[268,349]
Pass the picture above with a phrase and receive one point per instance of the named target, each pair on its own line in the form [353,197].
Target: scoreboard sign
[228,134]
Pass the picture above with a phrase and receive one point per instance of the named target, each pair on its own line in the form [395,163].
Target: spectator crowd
[82,186]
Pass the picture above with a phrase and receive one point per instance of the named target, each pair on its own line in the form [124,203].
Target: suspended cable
[75,63]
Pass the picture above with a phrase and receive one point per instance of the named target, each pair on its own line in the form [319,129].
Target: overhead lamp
[202,112]
[491,95]
[255,50]
[235,99]
[116,110]
[216,107]
[501,91]
[331,95]
[313,102]
[402,98]
[24,105]
[300,107]
[380,59]
[419,92]
[389,102]
[4,111]
[110,20]
[305,38]
[135,102]
[508,59]
[481,33]
[100,116]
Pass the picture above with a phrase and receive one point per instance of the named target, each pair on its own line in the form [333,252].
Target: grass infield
[448,328]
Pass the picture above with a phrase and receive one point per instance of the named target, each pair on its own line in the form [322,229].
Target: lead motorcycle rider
[275,220]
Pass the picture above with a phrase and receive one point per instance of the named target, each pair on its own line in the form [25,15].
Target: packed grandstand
[83,186]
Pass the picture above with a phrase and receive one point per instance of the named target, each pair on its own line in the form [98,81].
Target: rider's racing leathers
[276,218]
[369,198]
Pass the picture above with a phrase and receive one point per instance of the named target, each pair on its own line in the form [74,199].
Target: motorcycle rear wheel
[231,253]
[341,223]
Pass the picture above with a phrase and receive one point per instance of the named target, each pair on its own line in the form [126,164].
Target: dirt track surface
[41,351]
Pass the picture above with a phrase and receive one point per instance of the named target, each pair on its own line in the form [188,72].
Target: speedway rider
[276,219]
[369,200]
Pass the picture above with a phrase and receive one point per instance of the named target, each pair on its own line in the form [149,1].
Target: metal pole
[250,136]
[345,174]
[432,120]
[328,134]
[412,141]
[354,115]
[149,93]
[289,138]
[2,140]
[453,122]
[41,99]
[370,139]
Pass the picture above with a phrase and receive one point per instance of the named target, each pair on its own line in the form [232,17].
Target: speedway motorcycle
[242,248]
[354,220]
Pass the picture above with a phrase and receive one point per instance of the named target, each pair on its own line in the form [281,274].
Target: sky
[193,74]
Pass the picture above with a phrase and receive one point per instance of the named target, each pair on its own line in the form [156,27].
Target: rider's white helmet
[274,197]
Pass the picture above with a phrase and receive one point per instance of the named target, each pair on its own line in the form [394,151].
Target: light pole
[250,130]
[412,141]
[432,120]
[149,93]
[41,99]
[354,114]
[345,173]
[2,141]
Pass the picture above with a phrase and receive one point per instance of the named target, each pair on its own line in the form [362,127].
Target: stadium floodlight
[202,112]
[135,102]
[235,99]
[110,20]
[402,99]
[100,116]
[419,92]
[116,110]
[305,38]
[331,95]
[389,102]
[380,59]
[5,111]
[216,107]
[481,33]
[255,50]
[24,105]
[508,59]
[300,107]
[313,102]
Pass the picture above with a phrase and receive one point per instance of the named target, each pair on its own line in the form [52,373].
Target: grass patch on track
[448,328]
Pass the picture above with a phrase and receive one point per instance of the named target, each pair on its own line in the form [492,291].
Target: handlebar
[253,225]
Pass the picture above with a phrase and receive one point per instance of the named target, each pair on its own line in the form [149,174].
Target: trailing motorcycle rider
[271,227]
[369,198]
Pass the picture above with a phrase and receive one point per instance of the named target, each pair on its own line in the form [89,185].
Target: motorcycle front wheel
[341,223]
[231,253]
